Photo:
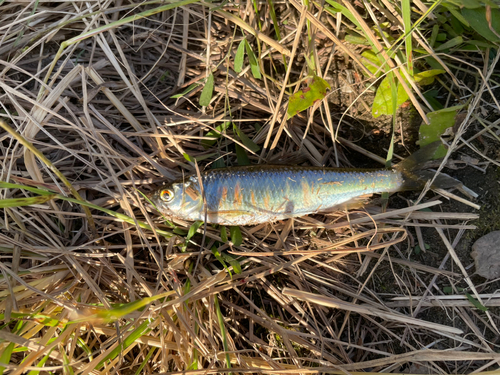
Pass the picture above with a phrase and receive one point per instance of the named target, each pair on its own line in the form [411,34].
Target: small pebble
[486,254]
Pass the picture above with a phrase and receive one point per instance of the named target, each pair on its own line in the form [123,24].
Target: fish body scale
[251,195]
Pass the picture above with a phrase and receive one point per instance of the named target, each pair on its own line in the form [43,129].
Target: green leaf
[186,91]
[303,99]
[382,104]
[219,163]
[430,96]
[439,122]
[21,202]
[458,22]
[191,232]
[236,237]
[207,92]
[417,249]
[450,43]
[239,57]
[356,39]
[223,234]
[233,262]
[427,77]
[217,133]
[476,303]
[252,59]
[193,229]
[336,7]
[435,32]
[471,45]
[251,145]
[217,256]
[179,231]
[477,20]
[373,64]
[467,3]
[198,158]
[241,155]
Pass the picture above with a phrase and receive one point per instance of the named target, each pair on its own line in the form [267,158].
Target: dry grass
[85,290]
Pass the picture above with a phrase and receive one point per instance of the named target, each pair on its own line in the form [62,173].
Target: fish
[250,195]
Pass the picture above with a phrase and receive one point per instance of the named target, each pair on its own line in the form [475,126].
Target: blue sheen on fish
[258,194]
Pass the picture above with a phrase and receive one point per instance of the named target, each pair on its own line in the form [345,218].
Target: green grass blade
[145,361]
[129,340]
[476,303]
[186,91]
[40,364]
[272,12]
[8,185]
[67,364]
[82,345]
[236,237]
[6,354]
[417,23]
[23,202]
[110,315]
[406,8]
[207,92]
[239,58]
[220,318]
[254,64]
[256,10]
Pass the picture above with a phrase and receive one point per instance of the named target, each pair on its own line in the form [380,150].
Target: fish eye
[166,195]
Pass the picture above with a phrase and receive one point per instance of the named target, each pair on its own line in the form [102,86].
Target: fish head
[181,199]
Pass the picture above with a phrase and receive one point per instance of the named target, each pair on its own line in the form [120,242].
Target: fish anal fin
[228,213]
[356,203]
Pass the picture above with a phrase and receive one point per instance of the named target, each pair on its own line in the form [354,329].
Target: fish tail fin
[414,174]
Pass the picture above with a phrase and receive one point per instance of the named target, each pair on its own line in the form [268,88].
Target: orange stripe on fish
[224,193]
[267,199]
[238,197]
